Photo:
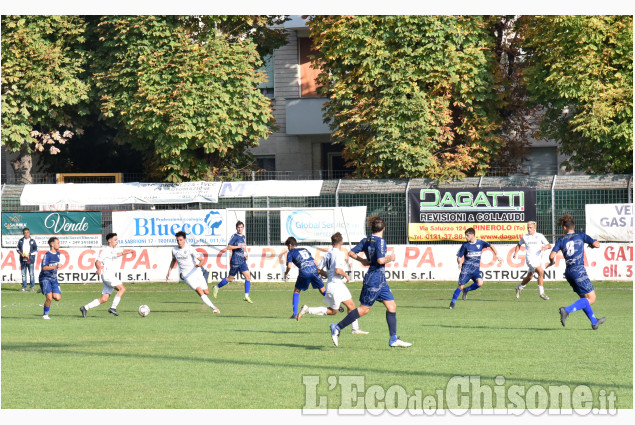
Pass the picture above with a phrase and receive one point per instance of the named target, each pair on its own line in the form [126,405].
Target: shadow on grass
[356,369]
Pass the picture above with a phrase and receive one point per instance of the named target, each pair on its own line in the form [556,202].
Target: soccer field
[253,356]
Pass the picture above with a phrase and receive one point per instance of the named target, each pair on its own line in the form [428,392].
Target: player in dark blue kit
[48,276]
[375,287]
[308,273]
[469,260]
[572,247]
[238,262]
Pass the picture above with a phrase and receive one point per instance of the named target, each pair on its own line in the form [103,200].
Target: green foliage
[191,101]
[410,96]
[580,72]
[44,86]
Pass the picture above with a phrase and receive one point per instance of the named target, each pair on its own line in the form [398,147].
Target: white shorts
[196,279]
[533,264]
[335,294]
[110,281]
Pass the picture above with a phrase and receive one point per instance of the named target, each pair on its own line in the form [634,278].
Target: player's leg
[456,293]
[350,306]
[524,282]
[115,302]
[541,277]
[232,275]
[329,299]
[583,287]
[247,275]
[301,284]
[197,282]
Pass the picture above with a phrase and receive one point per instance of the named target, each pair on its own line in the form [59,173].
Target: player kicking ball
[190,261]
[106,268]
[336,291]
[534,243]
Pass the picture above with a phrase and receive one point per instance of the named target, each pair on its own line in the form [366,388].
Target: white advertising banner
[158,227]
[609,222]
[612,261]
[119,193]
[318,224]
[271,188]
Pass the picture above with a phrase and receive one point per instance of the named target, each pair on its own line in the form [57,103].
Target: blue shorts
[303,281]
[469,275]
[370,294]
[235,268]
[50,285]
[579,280]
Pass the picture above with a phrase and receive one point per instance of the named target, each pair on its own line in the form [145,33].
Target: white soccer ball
[144,310]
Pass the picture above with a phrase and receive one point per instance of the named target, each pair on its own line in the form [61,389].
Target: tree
[579,71]
[410,96]
[44,89]
[187,97]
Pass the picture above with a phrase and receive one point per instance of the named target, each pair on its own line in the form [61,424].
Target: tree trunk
[22,167]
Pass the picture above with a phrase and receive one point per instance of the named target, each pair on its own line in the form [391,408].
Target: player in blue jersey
[238,263]
[469,260]
[307,274]
[572,247]
[48,276]
[375,287]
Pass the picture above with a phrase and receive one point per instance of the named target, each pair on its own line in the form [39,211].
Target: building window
[266,88]
[266,162]
[308,75]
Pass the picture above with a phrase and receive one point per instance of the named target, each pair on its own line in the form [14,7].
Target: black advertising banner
[496,214]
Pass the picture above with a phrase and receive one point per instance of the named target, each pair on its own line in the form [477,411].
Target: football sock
[222,283]
[247,287]
[318,311]
[94,303]
[355,325]
[350,318]
[472,287]
[115,301]
[521,286]
[391,319]
[541,289]
[580,304]
[46,310]
[456,295]
[296,301]
[207,301]
[589,313]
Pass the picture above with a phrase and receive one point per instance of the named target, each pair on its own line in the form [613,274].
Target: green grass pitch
[254,357]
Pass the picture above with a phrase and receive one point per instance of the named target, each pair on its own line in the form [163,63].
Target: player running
[48,276]
[307,274]
[190,261]
[534,243]
[238,263]
[375,287]
[572,247]
[106,267]
[336,291]
[469,260]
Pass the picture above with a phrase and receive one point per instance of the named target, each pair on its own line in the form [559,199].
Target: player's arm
[516,249]
[286,272]
[362,260]
[172,263]
[342,273]
[552,256]
[46,266]
[323,273]
[387,259]
[125,252]
[500,260]
[460,260]
[99,266]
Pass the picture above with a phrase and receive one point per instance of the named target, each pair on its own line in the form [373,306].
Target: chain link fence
[555,195]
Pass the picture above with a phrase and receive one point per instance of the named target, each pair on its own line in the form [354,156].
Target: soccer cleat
[113,311]
[518,292]
[563,315]
[359,332]
[216,311]
[294,316]
[544,296]
[399,343]
[464,294]
[83,310]
[215,291]
[597,325]
[303,311]
[451,306]
[341,309]
[248,299]
[45,316]
[335,333]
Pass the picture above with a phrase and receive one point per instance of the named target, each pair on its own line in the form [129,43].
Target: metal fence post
[408,212]
[553,209]
[268,225]
[337,193]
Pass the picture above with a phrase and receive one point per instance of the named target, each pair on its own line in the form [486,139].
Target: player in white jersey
[189,261]
[106,265]
[336,291]
[534,243]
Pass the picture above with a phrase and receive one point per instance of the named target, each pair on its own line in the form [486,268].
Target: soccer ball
[144,310]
